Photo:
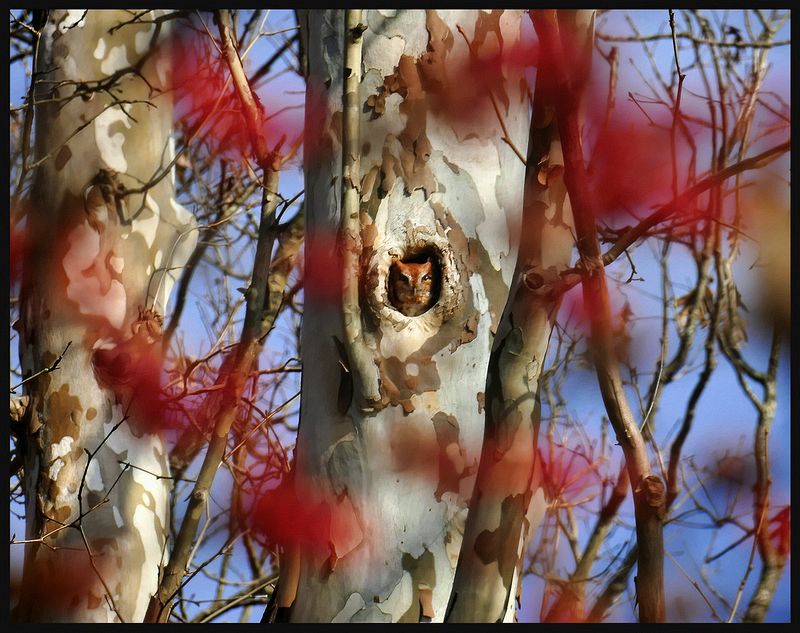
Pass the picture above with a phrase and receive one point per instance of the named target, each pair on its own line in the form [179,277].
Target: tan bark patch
[500,545]
[368,183]
[368,235]
[397,385]
[470,331]
[416,147]
[63,156]
[486,24]
[390,169]
[423,577]
[452,457]
[57,516]
[378,104]
[417,80]
[93,601]
[433,63]
[48,358]
[467,248]
[407,447]
[63,409]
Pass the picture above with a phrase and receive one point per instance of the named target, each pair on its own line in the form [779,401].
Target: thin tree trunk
[772,559]
[508,504]
[256,297]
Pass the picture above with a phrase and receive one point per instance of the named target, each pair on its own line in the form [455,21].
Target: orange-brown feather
[411,287]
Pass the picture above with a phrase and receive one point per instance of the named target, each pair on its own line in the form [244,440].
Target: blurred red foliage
[295,514]
[201,98]
[132,370]
[569,474]
[630,169]
[470,79]
[781,534]
[322,268]
[16,251]
[62,581]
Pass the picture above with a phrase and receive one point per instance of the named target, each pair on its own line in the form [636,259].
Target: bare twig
[53,366]
[693,38]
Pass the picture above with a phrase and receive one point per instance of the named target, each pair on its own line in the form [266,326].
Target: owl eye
[405,278]
[426,278]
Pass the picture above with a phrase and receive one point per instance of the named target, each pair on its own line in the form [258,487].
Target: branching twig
[158,609]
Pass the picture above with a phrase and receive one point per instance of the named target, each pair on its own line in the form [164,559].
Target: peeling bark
[98,278]
[403,471]
[508,504]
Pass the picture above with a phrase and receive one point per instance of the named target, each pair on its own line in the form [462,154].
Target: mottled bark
[98,275]
[507,503]
[771,573]
[396,476]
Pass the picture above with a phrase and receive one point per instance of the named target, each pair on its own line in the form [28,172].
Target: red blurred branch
[159,608]
[648,489]
[572,276]
[634,233]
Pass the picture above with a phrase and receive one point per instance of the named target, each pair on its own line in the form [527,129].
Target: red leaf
[295,515]
[201,98]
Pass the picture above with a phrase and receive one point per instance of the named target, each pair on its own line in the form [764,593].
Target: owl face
[412,287]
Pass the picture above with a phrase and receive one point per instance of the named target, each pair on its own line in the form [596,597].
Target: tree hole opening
[415,281]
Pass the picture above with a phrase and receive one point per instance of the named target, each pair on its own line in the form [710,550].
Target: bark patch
[486,24]
[63,156]
[452,458]
[470,331]
[63,410]
[398,385]
[423,580]
[501,544]
[417,81]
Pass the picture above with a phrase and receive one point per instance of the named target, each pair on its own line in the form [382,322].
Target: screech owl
[412,286]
